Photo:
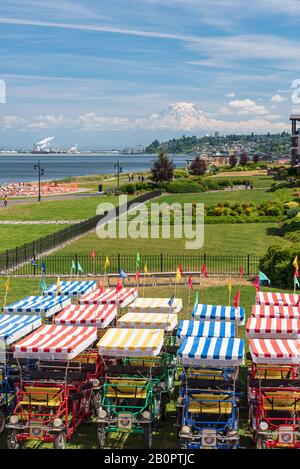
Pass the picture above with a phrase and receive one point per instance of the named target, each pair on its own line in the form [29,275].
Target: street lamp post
[37,167]
[119,170]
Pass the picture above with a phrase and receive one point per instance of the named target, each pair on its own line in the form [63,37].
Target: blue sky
[98,73]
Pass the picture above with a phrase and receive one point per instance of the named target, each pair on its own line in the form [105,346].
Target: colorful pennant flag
[146,271]
[190,282]
[73,266]
[295,263]
[93,254]
[256,283]
[43,284]
[241,272]
[236,300]
[178,275]
[204,270]
[296,282]
[171,301]
[43,267]
[229,285]
[263,278]
[138,261]
[180,269]
[122,274]
[79,268]
[119,285]
[106,264]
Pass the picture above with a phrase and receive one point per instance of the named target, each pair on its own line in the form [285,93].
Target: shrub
[292,204]
[182,187]
[218,211]
[273,211]
[211,184]
[277,264]
[293,212]
[127,188]
[180,173]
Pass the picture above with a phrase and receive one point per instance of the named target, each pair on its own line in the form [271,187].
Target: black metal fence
[15,257]
[217,264]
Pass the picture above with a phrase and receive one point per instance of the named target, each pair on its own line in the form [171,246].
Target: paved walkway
[32,200]
[39,222]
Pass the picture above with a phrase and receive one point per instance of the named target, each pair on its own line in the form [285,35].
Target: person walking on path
[5,201]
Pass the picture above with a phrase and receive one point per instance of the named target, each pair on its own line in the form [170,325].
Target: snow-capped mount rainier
[181,116]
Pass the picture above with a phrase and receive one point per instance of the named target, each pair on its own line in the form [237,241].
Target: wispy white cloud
[247,107]
[177,117]
[277,98]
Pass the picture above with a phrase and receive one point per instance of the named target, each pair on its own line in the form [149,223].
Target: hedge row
[277,264]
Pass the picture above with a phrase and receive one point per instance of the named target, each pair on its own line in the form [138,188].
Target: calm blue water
[19,168]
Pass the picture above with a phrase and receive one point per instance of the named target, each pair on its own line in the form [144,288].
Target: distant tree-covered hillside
[276,144]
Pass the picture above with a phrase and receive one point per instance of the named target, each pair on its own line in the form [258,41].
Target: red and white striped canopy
[110,296]
[275,351]
[273,328]
[277,299]
[99,316]
[288,312]
[52,342]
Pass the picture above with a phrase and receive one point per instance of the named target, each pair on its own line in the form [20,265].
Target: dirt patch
[262,172]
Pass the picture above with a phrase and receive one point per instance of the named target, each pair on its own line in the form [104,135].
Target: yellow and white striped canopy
[155,305]
[131,342]
[164,321]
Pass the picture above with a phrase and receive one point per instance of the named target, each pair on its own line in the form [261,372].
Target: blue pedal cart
[208,404]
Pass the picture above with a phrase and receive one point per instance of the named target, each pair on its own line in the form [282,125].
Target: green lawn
[69,209]
[165,437]
[252,238]
[256,181]
[16,235]
[256,196]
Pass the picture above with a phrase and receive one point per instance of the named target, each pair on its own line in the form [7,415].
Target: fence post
[161,262]
[34,264]
[76,264]
[248,264]
[119,262]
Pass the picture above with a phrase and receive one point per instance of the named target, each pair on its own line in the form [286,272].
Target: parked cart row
[273,371]
[210,354]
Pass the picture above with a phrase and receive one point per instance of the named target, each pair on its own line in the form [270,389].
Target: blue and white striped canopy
[218,313]
[41,305]
[13,328]
[72,288]
[202,351]
[191,328]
